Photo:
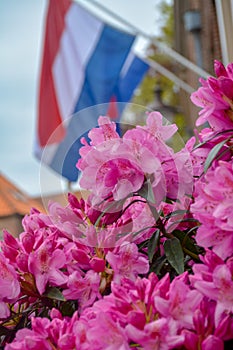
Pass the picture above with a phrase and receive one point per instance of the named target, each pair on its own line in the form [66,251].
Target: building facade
[197,38]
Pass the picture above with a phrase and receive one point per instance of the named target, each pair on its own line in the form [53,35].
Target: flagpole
[167,73]
[162,47]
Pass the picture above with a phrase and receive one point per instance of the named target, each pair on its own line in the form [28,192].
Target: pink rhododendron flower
[180,303]
[213,205]
[118,176]
[45,264]
[118,166]
[108,171]
[97,161]
[9,284]
[97,213]
[45,334]
[84,289]
[106,333]
[212,342]
[207,139]
[205,334]
[131,301]
[221,241]
[35,221]
[4,310]
[158,335]
[26,339]
[215,98]
[139,213]
[214,280]
[107,131]
[154,125]
[9,246]
[131,305]
[127,262]
[103,238]
[65,219]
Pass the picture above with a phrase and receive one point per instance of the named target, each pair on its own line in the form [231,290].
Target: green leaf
[158,264]
[185,240]
[179,221]
[154,211]
[175,213]
[68,308]
[55,294]
[139,231]
[174,254]
[4,330]
[188,243]
[143,244]
[152,244]
[213,153]
[147,191]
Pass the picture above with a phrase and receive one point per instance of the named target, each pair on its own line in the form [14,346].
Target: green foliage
[213,154]
[145,94]
[153,244]
[174,254]
[167,23]
[55,294]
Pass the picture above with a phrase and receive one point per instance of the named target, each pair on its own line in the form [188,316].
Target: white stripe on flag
[127,63]
[78,41]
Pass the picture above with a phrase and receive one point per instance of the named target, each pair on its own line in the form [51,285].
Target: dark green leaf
[158,264]
[174,254]
[175,213]
[4,330]
[143,244]
[68,308]
[185,240]
[141,230]
[213,153]
[182,220]
[55,294]
[152,244]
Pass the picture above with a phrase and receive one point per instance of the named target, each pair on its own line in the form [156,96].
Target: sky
[21,34]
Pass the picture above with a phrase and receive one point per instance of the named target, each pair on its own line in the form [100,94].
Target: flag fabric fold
[85,63]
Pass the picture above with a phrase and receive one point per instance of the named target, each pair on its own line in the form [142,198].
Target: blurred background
[198,31]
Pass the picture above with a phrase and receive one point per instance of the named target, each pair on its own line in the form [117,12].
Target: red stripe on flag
[112,108]
[48,112]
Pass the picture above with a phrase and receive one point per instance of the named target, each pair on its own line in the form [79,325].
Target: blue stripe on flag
[131,79]
[104,66]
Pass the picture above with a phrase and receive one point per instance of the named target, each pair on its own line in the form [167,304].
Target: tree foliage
[145,95]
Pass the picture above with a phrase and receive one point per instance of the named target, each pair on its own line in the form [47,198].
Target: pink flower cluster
[146,262]
[214,184]
[213,207]
[64,259]
[215,98]
[119,166]
[147,313]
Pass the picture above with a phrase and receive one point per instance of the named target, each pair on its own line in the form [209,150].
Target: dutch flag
[85,63]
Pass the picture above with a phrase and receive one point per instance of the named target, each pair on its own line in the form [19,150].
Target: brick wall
[12,224]
[184,43]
